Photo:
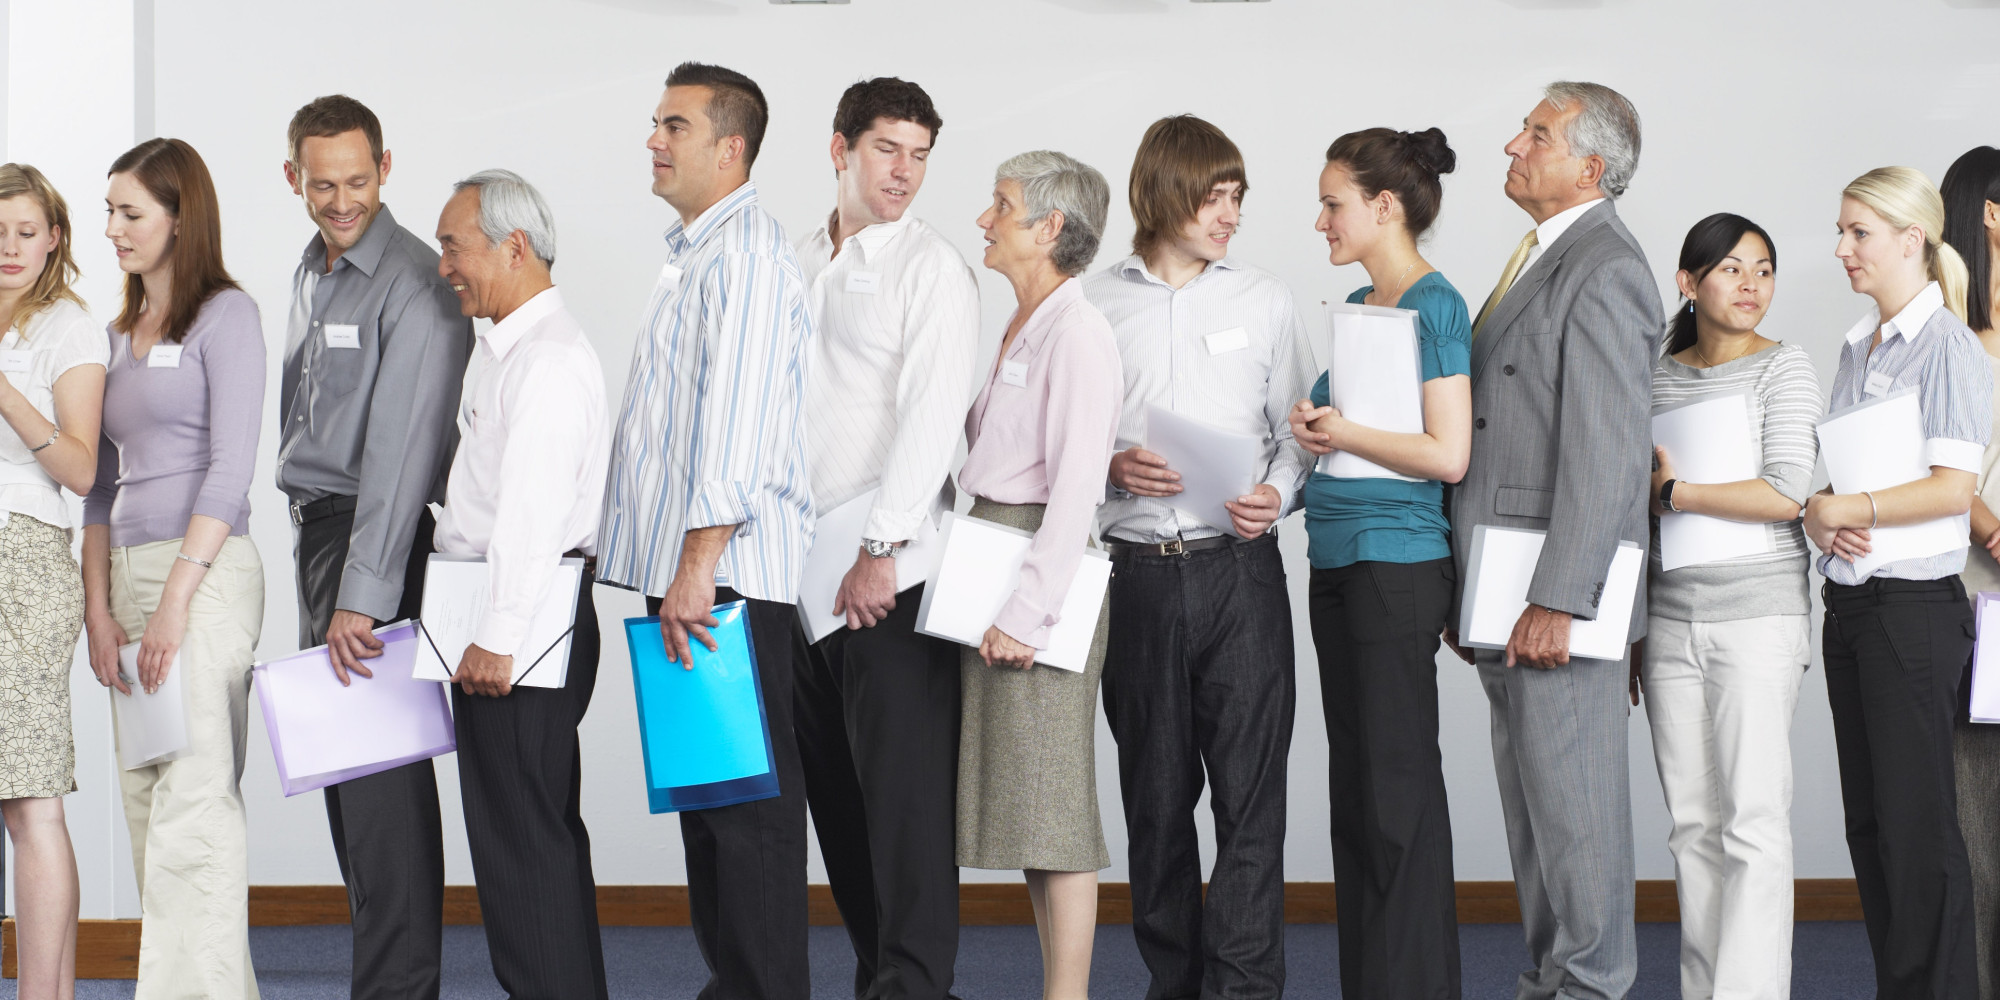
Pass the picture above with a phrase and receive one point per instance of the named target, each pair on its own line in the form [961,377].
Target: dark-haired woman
[168,561]
[1971,193]
[1728,642]
[1382,580]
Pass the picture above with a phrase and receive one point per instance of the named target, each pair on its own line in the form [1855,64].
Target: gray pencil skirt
[1027,757]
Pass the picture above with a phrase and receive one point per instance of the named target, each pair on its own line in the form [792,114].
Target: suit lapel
[1530,282]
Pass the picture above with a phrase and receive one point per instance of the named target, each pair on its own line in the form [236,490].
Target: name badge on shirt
[17,361]
[669,274]
[864,282]
[345,335]
[1879,383]
[1014,373]
[164,356]
[1224,341]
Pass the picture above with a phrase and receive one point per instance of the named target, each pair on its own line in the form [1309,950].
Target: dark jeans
[876,713]
[746,863]
[1376,627]
[520,776]
[1200,676]
[1894,652]
[387,834]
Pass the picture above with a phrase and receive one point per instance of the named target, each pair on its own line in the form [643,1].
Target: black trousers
[1375,626]
[1894,651]
[876,711]
[387,834]
[746,863]
[521,778]
[1199,677]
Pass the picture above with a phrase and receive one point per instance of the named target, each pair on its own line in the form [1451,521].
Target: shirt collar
[365,255]
[1134,268]
[682,235]
[1907,324]
[502,336]
[1556,225]
[871,239]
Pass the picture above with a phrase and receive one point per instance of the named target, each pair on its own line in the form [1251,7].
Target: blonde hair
[1904,198]
[19,180]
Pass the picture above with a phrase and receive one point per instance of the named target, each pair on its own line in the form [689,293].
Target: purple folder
[323,734]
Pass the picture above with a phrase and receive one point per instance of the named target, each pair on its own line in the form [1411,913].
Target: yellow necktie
[1514,266]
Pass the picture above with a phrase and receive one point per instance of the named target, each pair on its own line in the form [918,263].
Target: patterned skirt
[41,613]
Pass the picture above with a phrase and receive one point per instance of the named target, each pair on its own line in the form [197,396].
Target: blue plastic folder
[703,731]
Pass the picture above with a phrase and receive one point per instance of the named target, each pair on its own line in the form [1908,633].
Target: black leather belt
[313,510]
[1170,547]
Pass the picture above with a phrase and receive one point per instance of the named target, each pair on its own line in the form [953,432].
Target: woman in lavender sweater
[168,561]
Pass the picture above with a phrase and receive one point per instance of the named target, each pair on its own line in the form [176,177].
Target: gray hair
[508,203]
[1053,182]
[1606,126]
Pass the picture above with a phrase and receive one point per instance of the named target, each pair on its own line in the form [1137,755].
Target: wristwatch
[1667,494]
[879,550]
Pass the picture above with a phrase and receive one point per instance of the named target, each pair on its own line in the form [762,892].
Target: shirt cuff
[717,504]
[1288,494]
[892,526]
[1954,454]
[367,595]
[499,633]
[1024,622]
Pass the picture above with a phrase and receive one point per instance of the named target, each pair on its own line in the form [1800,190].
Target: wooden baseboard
[109,949]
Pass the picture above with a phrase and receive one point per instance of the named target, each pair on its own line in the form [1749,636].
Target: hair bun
[1431,151]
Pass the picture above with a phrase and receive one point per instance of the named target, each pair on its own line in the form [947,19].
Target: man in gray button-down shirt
[374,357]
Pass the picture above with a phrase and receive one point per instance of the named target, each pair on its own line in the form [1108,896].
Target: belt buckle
[297,519]
[1172,547]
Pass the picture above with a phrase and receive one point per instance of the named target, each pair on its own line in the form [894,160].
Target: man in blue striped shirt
[709,501]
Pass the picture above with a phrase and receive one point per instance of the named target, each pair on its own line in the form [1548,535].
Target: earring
[1690,306]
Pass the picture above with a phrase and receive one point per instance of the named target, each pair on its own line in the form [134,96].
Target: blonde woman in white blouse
[52,362]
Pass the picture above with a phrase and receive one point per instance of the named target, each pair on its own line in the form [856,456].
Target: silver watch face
[879,549]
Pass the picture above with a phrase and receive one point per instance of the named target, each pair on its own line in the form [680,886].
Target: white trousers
[190,841]
[1719,697]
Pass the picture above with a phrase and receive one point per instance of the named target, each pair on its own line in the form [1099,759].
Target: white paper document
[836,540]
[455,596]
[152,728]
[1986,660]
[1499,572]
[1375,380]
[1876,445]
[979,568]
[1708,440]
[1215,466]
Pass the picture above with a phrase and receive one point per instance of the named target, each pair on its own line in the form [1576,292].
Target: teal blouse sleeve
[1444,327]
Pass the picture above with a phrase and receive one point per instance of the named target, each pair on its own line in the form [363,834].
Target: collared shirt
[898,320]
[367,397]
[1927,347]
[709,430]
[1227,349]
[527,484]
[33,359]
[1551,230]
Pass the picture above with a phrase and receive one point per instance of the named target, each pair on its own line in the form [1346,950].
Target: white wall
[1765,109]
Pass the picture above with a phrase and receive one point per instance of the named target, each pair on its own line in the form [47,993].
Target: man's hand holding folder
[684,611]
[486,673]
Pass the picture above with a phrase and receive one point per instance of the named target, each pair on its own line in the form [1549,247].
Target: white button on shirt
[527,484]
[898,319]
[1227,349]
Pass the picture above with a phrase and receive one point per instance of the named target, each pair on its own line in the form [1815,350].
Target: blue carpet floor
[1830,962]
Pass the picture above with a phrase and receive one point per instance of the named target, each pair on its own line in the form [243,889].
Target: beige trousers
[190,844]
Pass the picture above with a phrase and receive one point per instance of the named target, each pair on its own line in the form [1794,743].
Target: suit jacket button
[1507,370]
[1479,424]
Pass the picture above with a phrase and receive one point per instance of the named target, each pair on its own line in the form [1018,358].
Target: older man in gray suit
[1560,442]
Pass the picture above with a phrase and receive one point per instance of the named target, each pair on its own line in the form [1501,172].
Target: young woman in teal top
[1382,580]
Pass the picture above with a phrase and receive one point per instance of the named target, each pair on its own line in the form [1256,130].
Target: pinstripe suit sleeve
[1604,438]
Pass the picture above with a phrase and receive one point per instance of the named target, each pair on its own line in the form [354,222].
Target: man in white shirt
[1199,677]
[526,488]
[877,704]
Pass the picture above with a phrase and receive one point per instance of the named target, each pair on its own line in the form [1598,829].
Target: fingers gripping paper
[702,725]
[323,733]
[455,596]
[151,728]
[1215,466]
[980,568]
[1502,567]
[1708,440]
[836,542]
[1875,445]
[1375,380]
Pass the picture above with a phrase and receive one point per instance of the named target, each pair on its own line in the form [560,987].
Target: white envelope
[1499,572]
[1376,380]
[151,728]
[1876,445]
[979,567]
[455,595]
[1708,440]
[836,540]
[1215,466]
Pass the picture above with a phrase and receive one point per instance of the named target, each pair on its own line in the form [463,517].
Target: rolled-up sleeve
[744,383]
[233,365]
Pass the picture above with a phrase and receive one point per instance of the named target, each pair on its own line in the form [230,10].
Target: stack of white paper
[1708,440]
[151,728]
[1215,466]
[1986,660]
[1876,445]
[455,596]
[836,540]
[1501,568]
[1376,380]
[979,569]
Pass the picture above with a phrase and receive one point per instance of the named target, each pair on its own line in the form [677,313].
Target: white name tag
[1224,341]
[345,335]
[863,282]
[164,356]
[17,361]
[1879,383]
[1014,373]
[669,274]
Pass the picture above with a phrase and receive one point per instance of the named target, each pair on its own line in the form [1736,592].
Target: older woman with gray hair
[1040,437]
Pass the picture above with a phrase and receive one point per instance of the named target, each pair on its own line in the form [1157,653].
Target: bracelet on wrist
[54,436]
[203,563]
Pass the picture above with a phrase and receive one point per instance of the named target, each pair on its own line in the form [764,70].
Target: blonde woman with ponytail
[1897,640]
